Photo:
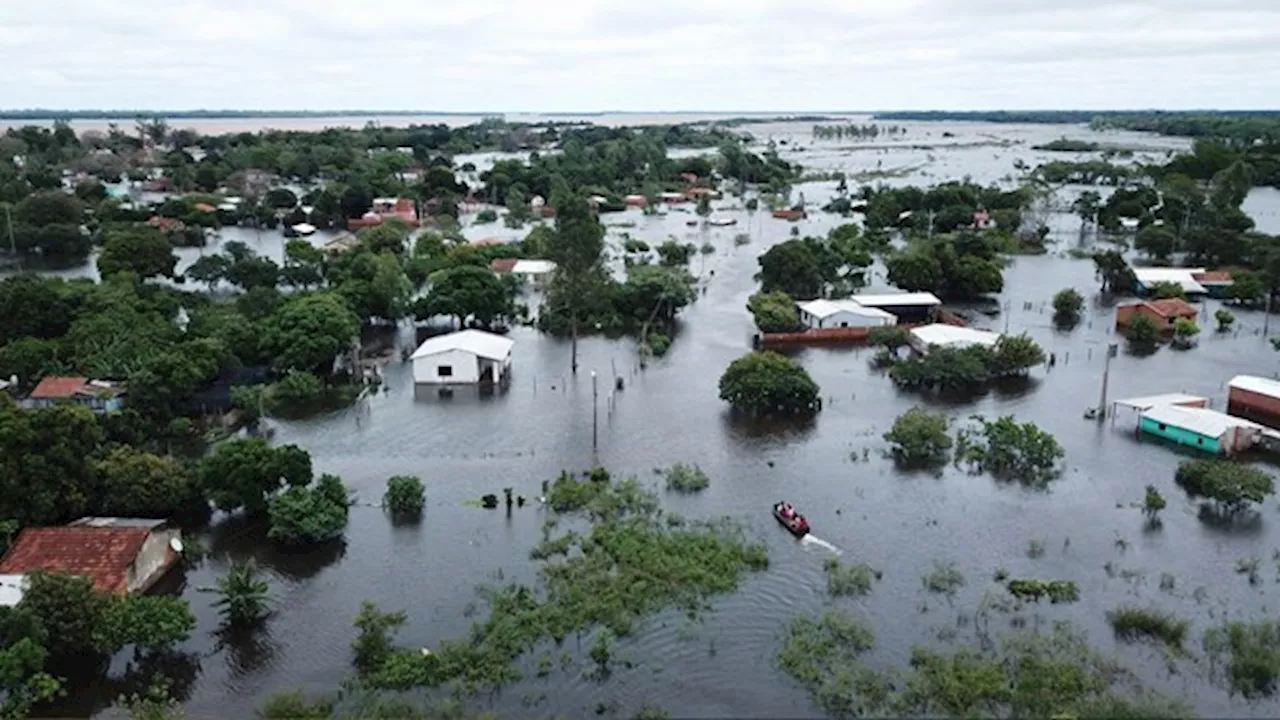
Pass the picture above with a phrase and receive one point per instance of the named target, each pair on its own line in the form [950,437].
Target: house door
[486,374]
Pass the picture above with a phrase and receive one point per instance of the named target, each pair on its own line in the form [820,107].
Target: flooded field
[1088,524]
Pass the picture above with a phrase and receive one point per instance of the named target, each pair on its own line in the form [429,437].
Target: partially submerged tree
[243,596]
[1225,319]
[1067,304]
[1185,331]
[920,438]
[1142,331]
[762,383]
[576,250]
[1009,450]
[1152,503]
[307,515]
[1232,487]
[774,312]
[404,497]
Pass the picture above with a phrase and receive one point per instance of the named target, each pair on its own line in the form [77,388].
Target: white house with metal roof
[1183,277]
[467,357]
[842,314]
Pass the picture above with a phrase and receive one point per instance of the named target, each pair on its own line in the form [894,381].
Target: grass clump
[823,655]
[628,565]
[1058,591]
[1249,652]
[686,478]
[845,580]
[1132,623]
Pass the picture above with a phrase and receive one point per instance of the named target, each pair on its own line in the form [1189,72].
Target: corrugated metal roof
[922,299]
[1260,385]
[827,308]
[943,334]
[1202,421]
[1181,276]
[533,267]
[476,342]
[1147,402]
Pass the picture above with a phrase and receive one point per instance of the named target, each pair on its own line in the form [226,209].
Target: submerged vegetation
[626,566]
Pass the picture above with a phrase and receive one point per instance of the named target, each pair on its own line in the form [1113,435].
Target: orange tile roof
[54,387]
[1213,276]
[503,265]
[1173,307]
[101,553]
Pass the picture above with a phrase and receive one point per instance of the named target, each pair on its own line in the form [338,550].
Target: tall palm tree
[245,597]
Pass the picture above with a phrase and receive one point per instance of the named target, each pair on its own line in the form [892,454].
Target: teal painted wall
[1182,436]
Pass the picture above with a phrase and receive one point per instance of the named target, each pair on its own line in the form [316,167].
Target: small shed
[467,357]
[842,314]
[943,335]
[1146,402]
[907,307]
[1206,430]
[1255,398]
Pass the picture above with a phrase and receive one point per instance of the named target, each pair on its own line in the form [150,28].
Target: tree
[704,206]
[1086,207]
[1230,485]
[150,622]
[308,332]
[762,383]
[303,264]
[674,254]
[1142,330]
[404,496]
[23,680]
[464,292]
[391,236]
[245,473]
[280,198]
[145,253]
[1114,272]
[306,515]
[920,438]
[46,463]
[1246,288]
[1012,451]
[1014,354]
[373,646]
[890,337]
[1165,290]
[1067,304]
[1225,319]
[1152,503]
[1157,241]
[914,271]
[209,269]
[1184,331]
[774,312]
[253,272]
[791,267]
[576,250]
[298,388]
[68,610]
[138,484]
[244,598]
[34,306]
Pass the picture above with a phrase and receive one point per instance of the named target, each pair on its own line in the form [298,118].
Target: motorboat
[794,522]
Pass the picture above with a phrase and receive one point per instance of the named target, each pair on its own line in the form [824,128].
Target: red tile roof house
[1163,312]
[97,395]
[121,556]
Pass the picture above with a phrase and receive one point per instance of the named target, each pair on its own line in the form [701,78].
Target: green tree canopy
[245,474]
[466,292]
[762,383]
[144,252]
[309,331]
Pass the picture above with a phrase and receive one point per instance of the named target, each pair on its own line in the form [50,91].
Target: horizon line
[46,113]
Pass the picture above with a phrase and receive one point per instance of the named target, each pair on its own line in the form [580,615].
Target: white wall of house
[845,318]
[152,561]
[451,366]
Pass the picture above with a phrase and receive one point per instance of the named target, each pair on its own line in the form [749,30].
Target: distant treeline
[1235,125]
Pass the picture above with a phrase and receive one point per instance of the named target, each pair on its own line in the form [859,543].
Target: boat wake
[819,542]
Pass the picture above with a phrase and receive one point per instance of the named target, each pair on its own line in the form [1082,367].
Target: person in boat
[788,512]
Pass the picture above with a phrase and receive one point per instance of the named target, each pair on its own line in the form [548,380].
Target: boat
[796,523]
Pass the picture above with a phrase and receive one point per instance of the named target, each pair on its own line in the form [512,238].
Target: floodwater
[831,468]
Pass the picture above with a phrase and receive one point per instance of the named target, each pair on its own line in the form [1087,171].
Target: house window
[444,370]
[1199,441]
[1162,426]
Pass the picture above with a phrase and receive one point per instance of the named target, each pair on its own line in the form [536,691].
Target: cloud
[713,55]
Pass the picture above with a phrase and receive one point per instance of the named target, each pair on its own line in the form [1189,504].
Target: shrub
[1228,484]
[298,388]
[404,496]
[1225,319]
[849,579]
[1142,330]
[686,478]
[1131,623]
[920,437]
[487,215]
[1066,306]
[774,312]
[658,344]
[1012,451]
[1058,591]
[306,515]
[1251,652]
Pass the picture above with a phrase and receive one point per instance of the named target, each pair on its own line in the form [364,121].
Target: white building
[1184,277]
[467,357]
[943,335]
[842,314]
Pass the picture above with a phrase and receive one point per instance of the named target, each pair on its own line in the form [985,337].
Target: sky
[640,55]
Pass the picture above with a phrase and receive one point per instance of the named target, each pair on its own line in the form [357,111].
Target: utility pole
[595,417]
[1112,349]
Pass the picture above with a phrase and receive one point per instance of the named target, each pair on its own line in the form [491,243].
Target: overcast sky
[644,55]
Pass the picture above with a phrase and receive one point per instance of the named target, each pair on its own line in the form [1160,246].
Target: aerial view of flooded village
[647,414]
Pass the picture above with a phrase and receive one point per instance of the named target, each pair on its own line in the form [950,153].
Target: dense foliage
[919,437]
[304,515]
[950,368]
[1008,450]
[1232,487]
[762,383]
